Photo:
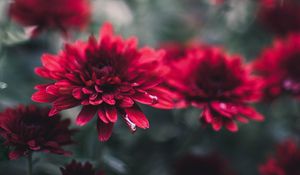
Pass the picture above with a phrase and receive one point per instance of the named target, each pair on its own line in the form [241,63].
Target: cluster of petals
[77,168]
[106,77]
[28,129]
[219,84]
[55,14]
[210,164]
[280,16]
[286,161]
[279,65]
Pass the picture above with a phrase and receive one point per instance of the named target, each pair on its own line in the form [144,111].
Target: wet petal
[137,117]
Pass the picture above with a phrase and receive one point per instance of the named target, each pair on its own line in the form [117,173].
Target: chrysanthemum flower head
[28,129]
[286,161]
[280,16]
[106,77]
[279,65]
[77,168]
[219,84]
[55,14]
[210,164]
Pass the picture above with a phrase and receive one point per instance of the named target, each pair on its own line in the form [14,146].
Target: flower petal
[42,97]
[145,98]
[111,113]
[86,114]
[137,117]
[104,130]
[231,126]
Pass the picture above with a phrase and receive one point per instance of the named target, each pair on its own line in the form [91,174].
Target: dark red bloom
[219,84]
[285,162]
[211,164]
[51,14]
[28,129]
[106,77]
[77,168]
[280,67]
[280,16]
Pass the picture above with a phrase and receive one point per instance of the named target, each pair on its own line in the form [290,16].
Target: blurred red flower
[285,162]
[220,84]
[211,164]
[106,77]
[28,129]
[280,16]
[55,14]
[77,168]
[279,65]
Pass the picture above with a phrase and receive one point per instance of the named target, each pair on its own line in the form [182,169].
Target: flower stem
[29,158]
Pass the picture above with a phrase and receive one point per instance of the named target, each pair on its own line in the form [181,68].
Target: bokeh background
[232,24]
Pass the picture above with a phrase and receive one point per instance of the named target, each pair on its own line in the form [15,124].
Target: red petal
[251,113]
[65,102]
[53,111]
[145,98]
[165,98]
[51,62]
[52,89]
[42,72]
[109,99]
[231,126]
[223,109]
[111,113]
[77,93]
[137,117]
[104,130]
[106,30]
[241,119]
[126,102]
[85,115]
[102,115]
[217,123]
[42,97]
[207,116]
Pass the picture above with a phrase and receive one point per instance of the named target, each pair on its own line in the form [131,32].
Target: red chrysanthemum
[28,129]
[51,14]
[211,164]
[285,162]
[77,168]
[105,77]
[220,84]
[279,65]
[280,16]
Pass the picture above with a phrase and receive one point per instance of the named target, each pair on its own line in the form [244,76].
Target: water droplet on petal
[154,99]
[130,124]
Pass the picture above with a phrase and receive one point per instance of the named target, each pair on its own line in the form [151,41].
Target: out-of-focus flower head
[28,129]
[280,16]
[286,161]
[77,168]
[106,77]
[42,15]
[211,164]
[219,84]
[279,65]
